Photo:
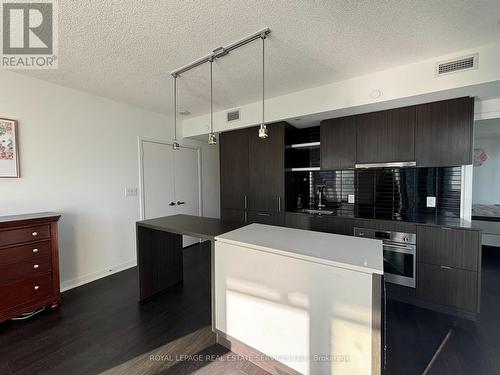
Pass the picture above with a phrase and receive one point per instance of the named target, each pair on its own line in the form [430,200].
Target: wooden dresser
[29,263]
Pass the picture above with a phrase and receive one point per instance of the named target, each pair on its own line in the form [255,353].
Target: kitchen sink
[315,212]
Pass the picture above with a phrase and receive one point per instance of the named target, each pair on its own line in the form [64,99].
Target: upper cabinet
[234,169]
[266,169]
[444,133]
[338,143]
[386,136]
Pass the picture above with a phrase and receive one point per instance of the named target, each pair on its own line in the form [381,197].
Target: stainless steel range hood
[396,164]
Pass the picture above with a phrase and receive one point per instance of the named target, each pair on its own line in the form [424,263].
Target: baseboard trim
[79,281]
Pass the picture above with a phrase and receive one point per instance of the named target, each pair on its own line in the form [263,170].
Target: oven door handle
[401,249]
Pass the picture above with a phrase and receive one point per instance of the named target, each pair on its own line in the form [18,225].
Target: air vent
[457,65]
[233,115]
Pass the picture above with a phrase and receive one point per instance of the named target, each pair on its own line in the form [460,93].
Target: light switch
[431,201]
[130,192]
[350,198]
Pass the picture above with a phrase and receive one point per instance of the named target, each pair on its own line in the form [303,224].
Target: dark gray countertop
[202,227]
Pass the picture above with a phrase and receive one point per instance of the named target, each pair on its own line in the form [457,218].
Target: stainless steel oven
[399,254]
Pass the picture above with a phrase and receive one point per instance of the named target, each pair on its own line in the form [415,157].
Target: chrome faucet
[321,190]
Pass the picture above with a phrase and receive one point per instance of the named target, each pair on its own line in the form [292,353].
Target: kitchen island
[297,301]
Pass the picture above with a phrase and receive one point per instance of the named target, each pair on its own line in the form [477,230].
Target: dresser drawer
[18,254]
[15,236]
[24,270]
[25,291]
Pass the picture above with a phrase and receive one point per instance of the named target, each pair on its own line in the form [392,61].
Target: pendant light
[175,144]
[263,128]
[212,140]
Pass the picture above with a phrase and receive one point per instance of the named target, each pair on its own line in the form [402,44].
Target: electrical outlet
[350,198]
[431,201]
[130,192]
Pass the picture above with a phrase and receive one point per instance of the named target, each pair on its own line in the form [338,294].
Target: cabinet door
[266,169]
[234,215]
[386,136]
[262,217]
[338,143]
[298,221]
[342,225]
[448,286]
[456,248]
[444,133]
[234,168]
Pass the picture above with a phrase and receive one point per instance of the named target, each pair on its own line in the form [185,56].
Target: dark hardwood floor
[102,328]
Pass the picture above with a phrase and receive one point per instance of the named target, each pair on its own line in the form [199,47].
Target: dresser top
[32,216]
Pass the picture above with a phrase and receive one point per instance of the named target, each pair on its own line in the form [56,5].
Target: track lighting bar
[221,51]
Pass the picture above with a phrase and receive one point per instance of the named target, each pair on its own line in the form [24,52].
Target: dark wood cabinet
[450,287]
[29,264]
[266,185]
[444,133]
[234,169]
[263,217]
[234,215]
[342,225]
[386,136]
[449,247]
[338,143]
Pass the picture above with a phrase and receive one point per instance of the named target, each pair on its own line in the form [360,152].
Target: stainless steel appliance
[399,254]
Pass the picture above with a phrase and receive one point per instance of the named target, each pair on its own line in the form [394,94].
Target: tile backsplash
[381,193]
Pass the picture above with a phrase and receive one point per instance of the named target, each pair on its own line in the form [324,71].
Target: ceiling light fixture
[212,140]
[175,144]
[263,128]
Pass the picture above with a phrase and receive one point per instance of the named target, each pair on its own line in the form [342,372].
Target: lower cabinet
[234,215]
[450,287]
[328,224]
[264,217]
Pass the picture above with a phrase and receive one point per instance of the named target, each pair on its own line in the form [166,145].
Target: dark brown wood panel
[234,168]
[234,215]
[395,226]
[448,286]
[342,225]
[33,233]
[262,217]
[338,143]
[297,221]
[444,133]
[25,269]
[21,292]
[15,254]
[448,247]
[266,169]
[386,136]
[160,262]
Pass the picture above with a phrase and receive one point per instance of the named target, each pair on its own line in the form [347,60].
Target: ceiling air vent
[233,115]
[457,65]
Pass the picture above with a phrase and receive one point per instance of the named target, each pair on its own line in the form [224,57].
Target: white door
[170,182]
[158,180]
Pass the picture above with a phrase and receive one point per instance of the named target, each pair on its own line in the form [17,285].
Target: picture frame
[9,149]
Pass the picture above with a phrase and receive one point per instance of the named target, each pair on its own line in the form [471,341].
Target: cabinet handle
[35,266]
[263,214]
[35,250]
[36,287]
[246,217]
[171,204]
[180,202]
[279,204]
[245,201]
[34,234]
[445,267]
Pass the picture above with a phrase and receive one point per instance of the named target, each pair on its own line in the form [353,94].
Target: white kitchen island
[297,301]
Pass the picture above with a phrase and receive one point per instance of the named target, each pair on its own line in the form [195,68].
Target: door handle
[171,204]
[180,202]
[245,202]
[263,214]
[279,204]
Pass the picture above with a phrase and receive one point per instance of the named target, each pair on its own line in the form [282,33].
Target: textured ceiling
[124,49]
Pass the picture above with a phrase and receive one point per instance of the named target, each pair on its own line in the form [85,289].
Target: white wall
[78,153]
[486,180]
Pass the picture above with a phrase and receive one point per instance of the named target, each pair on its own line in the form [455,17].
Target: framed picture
[9,153]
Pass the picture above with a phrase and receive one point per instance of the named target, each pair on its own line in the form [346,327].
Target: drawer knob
[36,287]
[34,234]
[35,250]
[35,266]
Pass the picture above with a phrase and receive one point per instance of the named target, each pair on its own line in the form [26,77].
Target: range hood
[396,164]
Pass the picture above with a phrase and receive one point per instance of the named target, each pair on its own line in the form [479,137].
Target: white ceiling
[125,50]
